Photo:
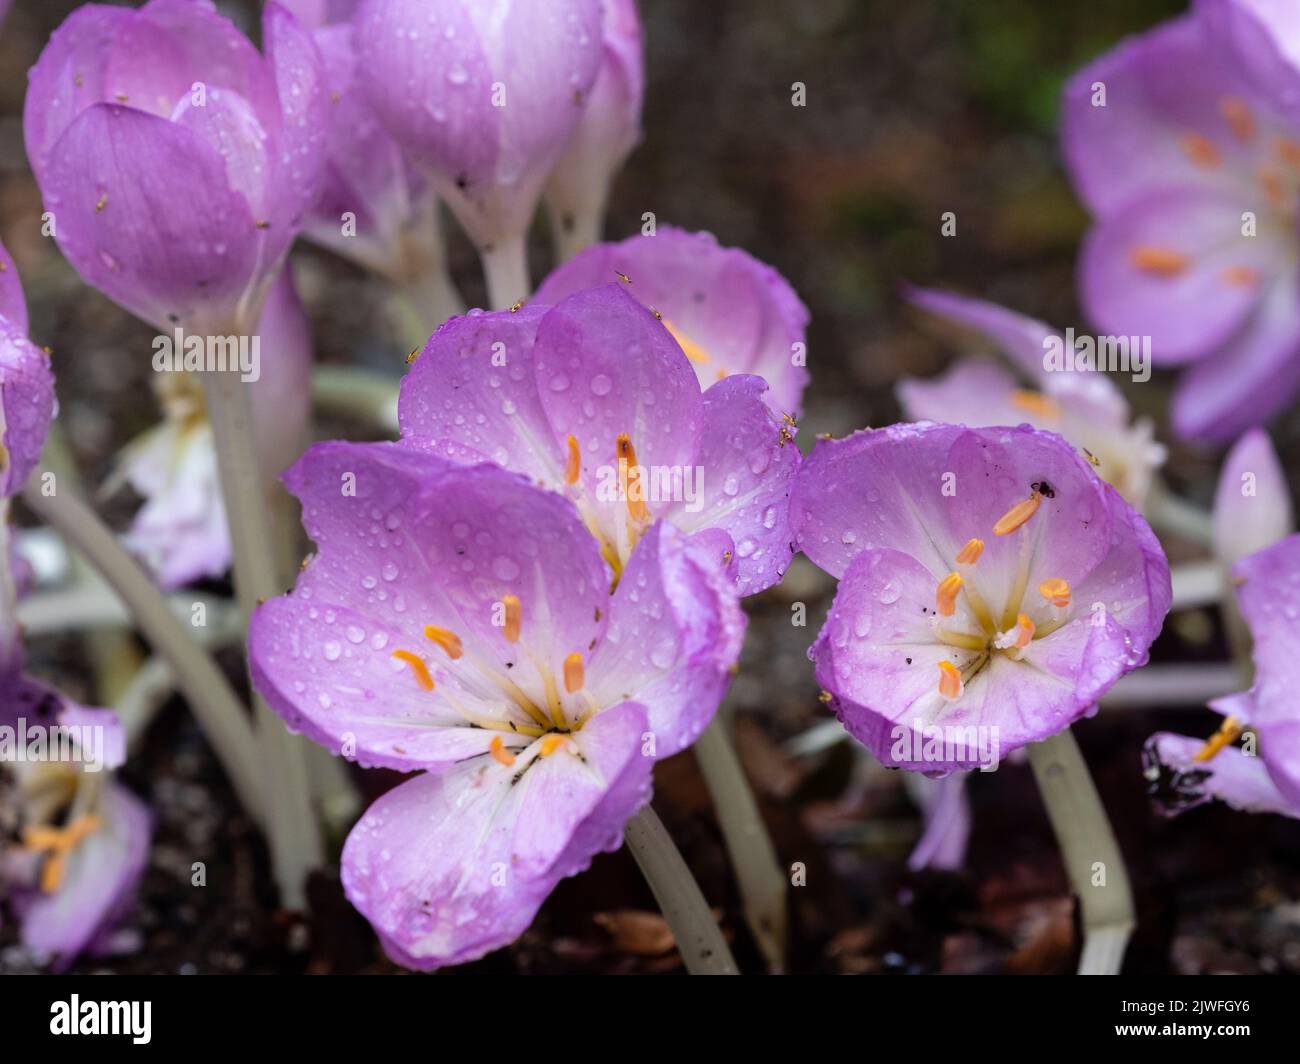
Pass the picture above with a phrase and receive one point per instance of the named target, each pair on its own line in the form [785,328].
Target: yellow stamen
[574,466]
[1035,403]
[1025,631]
[499,753]
[1240,276]
[1229,732]
[1238,115]
[552,743]
[1056,591]
[950,685]
[1017,515]
[945,596]
[514,617]
[636,506]
[1201,150]
[418,667]
[59,843]
[1163,262]
[574,675]
[970,553]
[689,347]
[448,640]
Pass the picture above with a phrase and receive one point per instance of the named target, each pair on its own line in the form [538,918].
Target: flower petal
[27,405]
[739,315]
[13,307]
[1197,302]
[113,180]
[1250,380]
[1252,503]
[422,542]
[747,461]
[674,635]
[1159,88]
[472,396]
[448,867]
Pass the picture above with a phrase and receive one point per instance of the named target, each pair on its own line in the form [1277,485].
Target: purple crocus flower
[485,96]
[180,532]
[607,132]
[730,313]
[1263,776]
[992,587]
[1084,407]
[83,840]
[457,622]
[177,162]
[1184,143]
[594,398]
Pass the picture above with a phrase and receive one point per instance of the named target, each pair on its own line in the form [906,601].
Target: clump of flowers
[457,622]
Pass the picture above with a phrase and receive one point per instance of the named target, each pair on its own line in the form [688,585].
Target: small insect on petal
[499,752]
[950,685]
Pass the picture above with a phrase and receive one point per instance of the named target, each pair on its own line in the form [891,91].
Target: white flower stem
[1088,847]
[699,940]
[293,832]
[1197,584]
[505,268]
[763,885]
[363,393]
[1189,683]
[576,230]
[1168,513]
[217,709]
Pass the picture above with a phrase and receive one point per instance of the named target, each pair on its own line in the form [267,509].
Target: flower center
[627,486]
[530,723]
[57,844]
[1013,630]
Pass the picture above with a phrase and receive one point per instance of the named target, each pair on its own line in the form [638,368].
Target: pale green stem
[1168,513]
[505,267]
[363,393]
[1092,857]
[1187,684]
[1197,584]
[763,885]
[294,834]
[699,940]
[113,656]
[217,709]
